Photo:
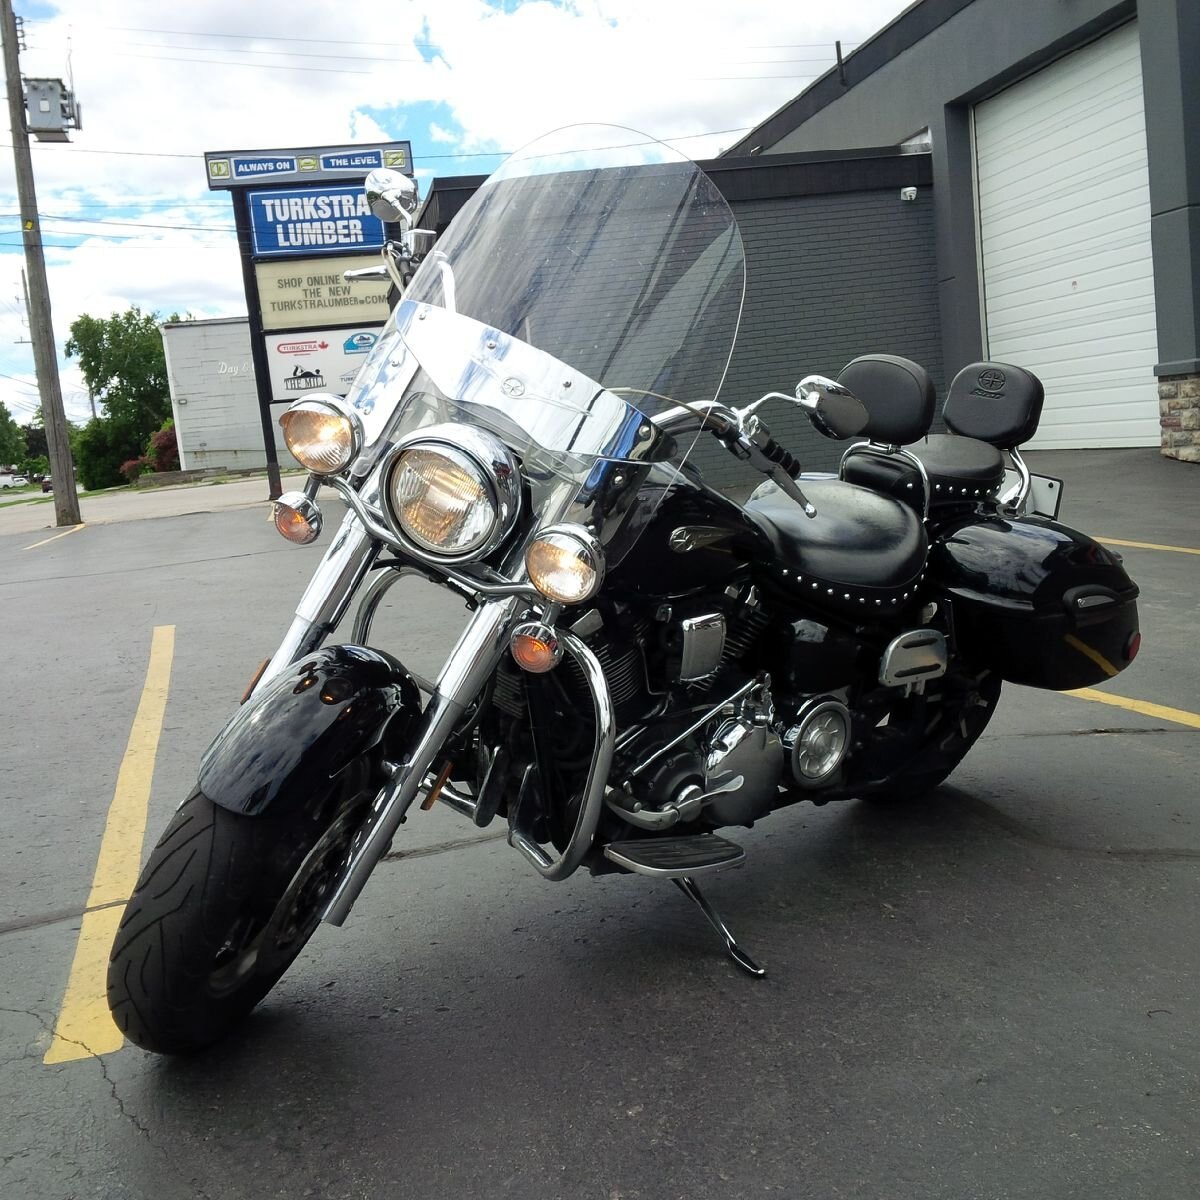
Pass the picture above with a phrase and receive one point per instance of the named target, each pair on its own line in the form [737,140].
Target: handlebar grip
[777,454]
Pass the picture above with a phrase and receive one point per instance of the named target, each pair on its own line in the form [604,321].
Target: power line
[667,138]
[22,382]
[388,61]
[260,66]
[218,62]
[414,42]
[139,224]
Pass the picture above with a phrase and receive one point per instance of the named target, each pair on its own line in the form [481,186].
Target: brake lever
[754,439]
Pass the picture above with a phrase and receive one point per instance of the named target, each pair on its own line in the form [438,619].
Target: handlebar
[747,437]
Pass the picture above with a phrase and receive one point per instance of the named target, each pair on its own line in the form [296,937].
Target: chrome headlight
[454,491]
[323,434]
[565,563]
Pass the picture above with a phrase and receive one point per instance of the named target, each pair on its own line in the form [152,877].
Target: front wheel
[223,906]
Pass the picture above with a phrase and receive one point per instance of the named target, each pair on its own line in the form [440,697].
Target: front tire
[223,906]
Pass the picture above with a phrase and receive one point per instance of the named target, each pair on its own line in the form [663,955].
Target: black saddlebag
[1037,602]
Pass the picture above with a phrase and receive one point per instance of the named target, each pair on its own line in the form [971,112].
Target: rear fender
[337,706]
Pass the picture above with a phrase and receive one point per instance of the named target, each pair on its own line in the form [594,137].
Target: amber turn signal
[535,648]
[297,518]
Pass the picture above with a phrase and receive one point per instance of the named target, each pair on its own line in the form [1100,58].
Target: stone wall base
[1179,416]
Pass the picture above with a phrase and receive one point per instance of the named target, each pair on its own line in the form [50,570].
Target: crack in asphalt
[1114,729]
[443,847]
[59,915]
[131,1117]
[157,567]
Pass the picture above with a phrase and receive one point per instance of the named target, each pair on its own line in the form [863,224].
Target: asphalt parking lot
[994,993]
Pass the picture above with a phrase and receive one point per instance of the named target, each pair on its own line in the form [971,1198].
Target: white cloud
[277,74]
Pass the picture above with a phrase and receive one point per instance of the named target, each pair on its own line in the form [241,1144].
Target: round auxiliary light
[297,518]
[443,500]
[565,563]
[323,434]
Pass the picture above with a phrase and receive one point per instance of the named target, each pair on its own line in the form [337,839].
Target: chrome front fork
[463,677]
[350,556]
[465,673]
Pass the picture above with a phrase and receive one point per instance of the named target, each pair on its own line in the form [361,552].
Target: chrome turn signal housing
[323,434]
[535,647]
[297,518]
[565,563]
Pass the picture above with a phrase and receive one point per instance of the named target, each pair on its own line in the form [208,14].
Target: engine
[719,707]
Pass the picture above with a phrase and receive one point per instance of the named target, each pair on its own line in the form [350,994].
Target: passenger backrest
[897,393]
[994,402]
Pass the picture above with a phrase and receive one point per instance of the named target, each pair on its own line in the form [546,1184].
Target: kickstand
[689,888]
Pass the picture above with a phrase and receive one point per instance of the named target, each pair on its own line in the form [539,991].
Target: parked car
[12,481]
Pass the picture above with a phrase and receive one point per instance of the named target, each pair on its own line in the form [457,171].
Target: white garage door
[1064,212]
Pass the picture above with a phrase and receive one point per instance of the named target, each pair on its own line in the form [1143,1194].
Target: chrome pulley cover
[818,740]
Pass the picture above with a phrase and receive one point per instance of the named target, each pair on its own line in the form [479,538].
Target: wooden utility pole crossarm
[41,328]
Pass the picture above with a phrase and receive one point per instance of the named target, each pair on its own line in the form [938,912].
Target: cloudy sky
[128,219]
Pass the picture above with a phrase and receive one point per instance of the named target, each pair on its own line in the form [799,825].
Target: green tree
[124,367]
[36,445]
[12,440]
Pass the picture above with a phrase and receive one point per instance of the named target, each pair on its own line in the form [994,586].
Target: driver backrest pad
[995,403]
[897,393]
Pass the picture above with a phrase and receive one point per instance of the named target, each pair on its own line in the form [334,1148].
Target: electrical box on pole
[58,115]
[51,110]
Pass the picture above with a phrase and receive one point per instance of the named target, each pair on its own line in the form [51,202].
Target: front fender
[304,727]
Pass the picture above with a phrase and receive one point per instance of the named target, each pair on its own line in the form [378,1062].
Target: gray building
[214,397]
[1065,199]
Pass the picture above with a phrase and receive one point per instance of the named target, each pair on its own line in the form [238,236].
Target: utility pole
[41,328]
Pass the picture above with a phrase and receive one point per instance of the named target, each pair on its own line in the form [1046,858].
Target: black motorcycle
[646,661]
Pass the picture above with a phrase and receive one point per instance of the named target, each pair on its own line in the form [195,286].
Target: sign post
[302,221]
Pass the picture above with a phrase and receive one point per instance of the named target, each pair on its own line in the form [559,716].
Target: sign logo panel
[314,362]
[311,221]
[301,294]
[261,166]
[356,160]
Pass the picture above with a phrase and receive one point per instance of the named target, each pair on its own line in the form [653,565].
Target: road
[992,993]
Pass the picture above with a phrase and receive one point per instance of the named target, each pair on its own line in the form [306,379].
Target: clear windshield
[607,252]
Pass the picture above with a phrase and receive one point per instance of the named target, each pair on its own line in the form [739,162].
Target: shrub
[164,450]
[135,467]
[101,447]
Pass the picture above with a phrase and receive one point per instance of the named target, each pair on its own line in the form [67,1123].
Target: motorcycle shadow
[472,999]
[810,874]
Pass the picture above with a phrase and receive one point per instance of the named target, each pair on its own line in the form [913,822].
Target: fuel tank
[1036,601]
[680,537]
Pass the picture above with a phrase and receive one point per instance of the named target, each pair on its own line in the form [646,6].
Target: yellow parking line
[55,537]
[1178,716]
[1147,546]
[85,1028]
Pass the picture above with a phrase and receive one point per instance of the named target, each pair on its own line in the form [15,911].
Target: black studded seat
[861,548]
[959,467]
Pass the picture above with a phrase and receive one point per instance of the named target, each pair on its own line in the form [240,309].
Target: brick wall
[829,277]
[1179,405]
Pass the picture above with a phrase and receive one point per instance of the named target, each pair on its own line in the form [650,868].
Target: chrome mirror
[391,195]
[832,407]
